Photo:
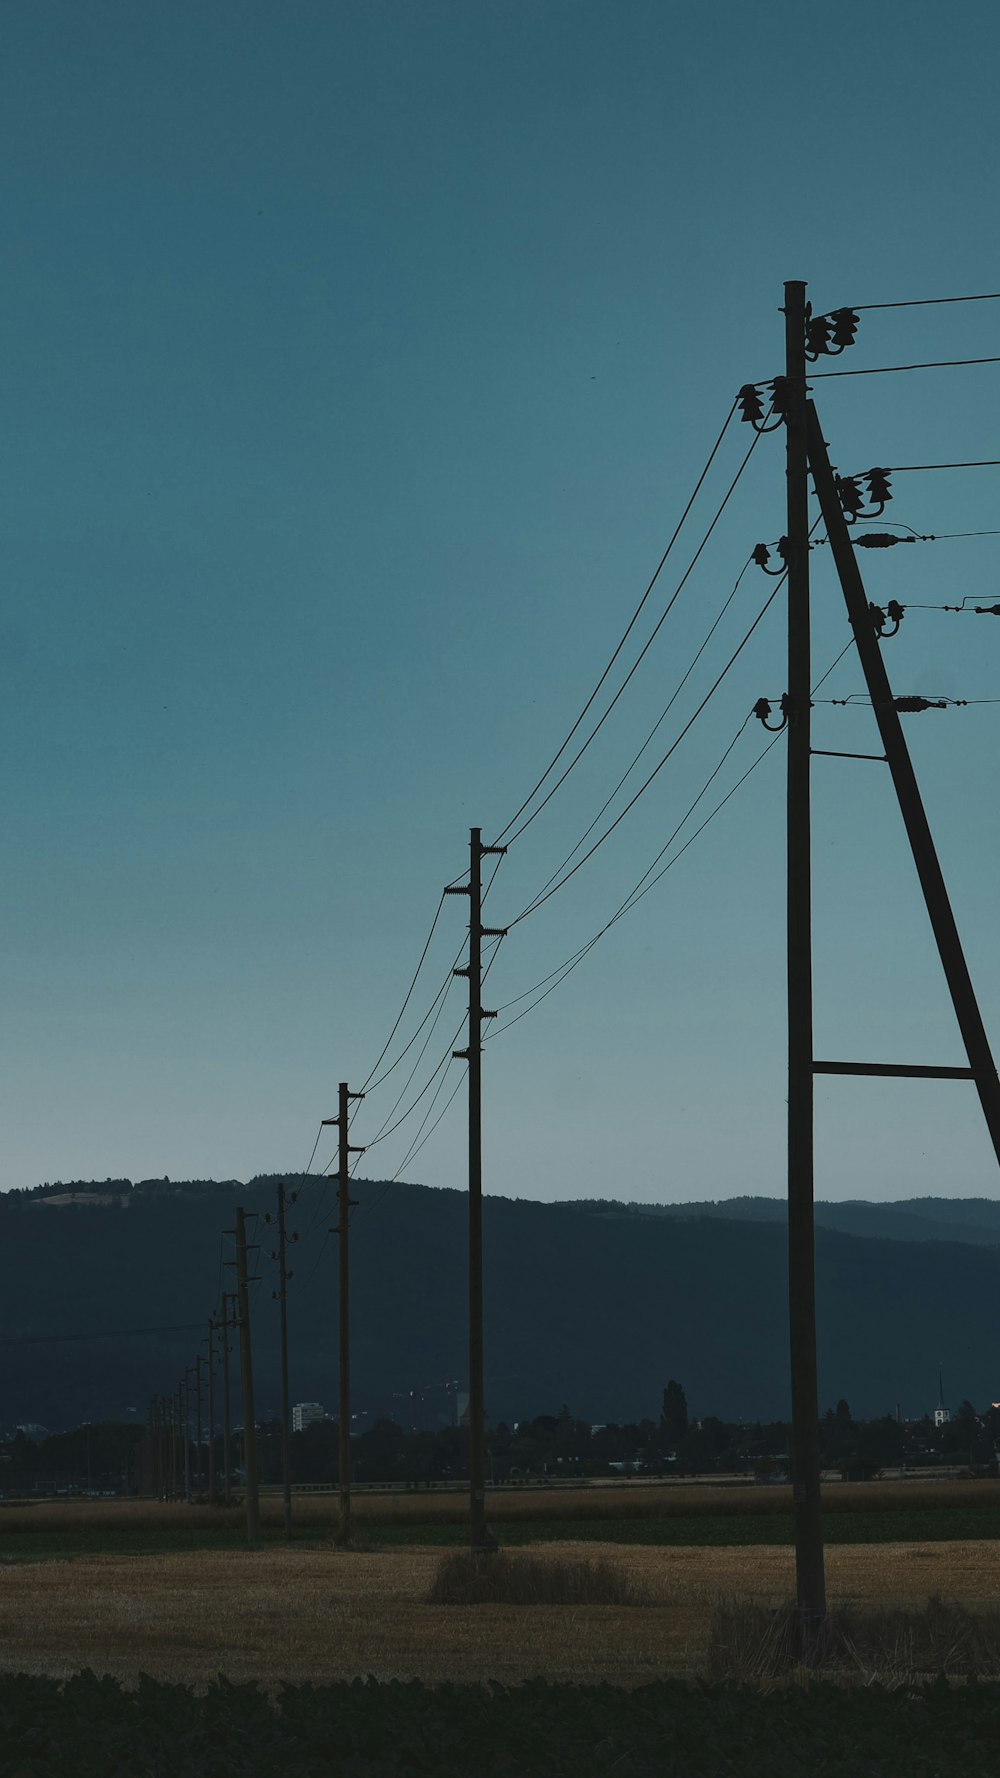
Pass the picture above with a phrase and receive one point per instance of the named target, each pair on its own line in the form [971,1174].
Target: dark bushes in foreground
[92,1728]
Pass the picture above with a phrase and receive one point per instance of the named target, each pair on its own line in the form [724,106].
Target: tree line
[108,1457]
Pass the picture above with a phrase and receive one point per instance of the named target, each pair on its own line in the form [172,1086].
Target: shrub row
[89,1727]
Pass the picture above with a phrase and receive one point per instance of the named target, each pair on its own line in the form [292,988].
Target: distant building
[942,1415]
[306,1413]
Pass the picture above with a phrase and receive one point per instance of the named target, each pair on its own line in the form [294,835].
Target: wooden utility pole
[480,1539]
[809,1571]
[226,1323]
[982,1068]
[185,1385]
[177,1458]
[281,1294]
[246,1377]
[199,1460]
[345,1204]
[211,1409]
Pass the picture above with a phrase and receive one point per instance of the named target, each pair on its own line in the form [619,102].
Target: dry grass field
[617,1501]
[318,1614]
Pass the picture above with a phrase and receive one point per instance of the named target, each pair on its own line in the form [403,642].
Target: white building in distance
[306,1413]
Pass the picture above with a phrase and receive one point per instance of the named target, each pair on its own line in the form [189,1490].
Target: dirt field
[319,1614]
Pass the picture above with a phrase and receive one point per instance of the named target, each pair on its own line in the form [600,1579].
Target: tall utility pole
[179,1441]
[154,1447]
[810,1581]
[186,1387]
[211,1409]
[982,1068]
[480,1538]
[282,1295]
[345,1149]
[246,1377]
[199,1464]
[226,1312]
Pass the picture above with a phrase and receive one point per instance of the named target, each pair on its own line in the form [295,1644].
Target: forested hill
[594,1305]
[910,1219]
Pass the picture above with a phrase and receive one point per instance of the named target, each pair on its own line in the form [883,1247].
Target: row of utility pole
[172,1473]
[177,1470]
[806,452]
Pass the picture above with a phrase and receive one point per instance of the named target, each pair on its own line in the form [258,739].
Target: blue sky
[358,361]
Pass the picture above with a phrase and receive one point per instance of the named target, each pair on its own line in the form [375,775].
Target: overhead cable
[924,302]
[884,370]
[643,886]
[646,646]
[631,625]
[660,719]
[545,895]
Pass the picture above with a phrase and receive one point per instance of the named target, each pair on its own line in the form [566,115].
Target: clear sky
[358,361]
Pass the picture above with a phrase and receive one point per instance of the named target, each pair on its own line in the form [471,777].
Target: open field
[319,1614]
[666,1515]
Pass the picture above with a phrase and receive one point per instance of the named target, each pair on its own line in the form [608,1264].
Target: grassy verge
[708,1517]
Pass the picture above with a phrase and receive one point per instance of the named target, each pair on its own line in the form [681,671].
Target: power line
[409,991]
[883,370]
[631,625]
[642,887]
[923,302]
[372,1086]
[646,646]
[981,463]
[545,896]
[661,718]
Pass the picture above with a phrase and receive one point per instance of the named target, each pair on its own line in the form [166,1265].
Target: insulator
[817,335]
[880,540]
[750,405]
[780,395]
[761,555]
[851,497]
[879,491]
[895,612]
[912,704]
[762,709]
[877,616]
[845,327]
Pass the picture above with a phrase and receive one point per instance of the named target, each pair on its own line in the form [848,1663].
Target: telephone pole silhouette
[282,1298]
[809,1569]
[345,1149]
[981,1066]
[807,337]
[211,1409]
[481,1540]
[226,1414]
[246,1378]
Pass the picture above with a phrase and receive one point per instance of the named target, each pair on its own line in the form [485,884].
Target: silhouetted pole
[345,1149]
[226,1312]
[246,1376]
[810,1580]
[982,1068]
[199,1461]
[480,1538]
[185,1385]
[211,1408]
[281,1294]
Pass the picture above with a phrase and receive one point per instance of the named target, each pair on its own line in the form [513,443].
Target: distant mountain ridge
[594,1304]
[976,1220]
